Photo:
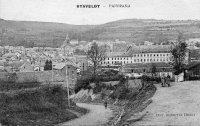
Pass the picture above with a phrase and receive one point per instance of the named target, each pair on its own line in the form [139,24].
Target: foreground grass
[41,106]
[33,118]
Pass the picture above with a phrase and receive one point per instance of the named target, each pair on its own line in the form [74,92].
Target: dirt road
[97,115]
[176,105]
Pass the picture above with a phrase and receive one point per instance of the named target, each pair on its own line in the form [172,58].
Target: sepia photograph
[99,62]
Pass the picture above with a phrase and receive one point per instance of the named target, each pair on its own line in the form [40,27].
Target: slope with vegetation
[41,105]
[28,33]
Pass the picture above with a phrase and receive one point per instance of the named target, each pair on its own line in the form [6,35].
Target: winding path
[176,105]
[97,115]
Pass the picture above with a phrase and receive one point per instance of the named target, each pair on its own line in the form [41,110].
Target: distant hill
[31,33]
[37,33]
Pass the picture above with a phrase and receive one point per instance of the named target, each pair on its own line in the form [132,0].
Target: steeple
[66,41]
[67,38]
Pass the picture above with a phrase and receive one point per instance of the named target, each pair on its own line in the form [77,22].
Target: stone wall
[37,76]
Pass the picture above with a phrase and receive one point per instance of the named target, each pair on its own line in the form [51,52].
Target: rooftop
[151,49]
[16,64]
[147,65]
[61,65]
[117,54]
[192,64]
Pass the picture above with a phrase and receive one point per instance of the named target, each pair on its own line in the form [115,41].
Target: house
[112,58]
[82,62]
[193,68]
[146,68]
[26,67]
[9,56]
[192,41]
[70,69]
[39,64]
[14,66]
[194,55]
[20,66]
[74,42]
[67,47]
[148,43]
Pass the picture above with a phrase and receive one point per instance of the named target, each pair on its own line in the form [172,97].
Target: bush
[120,91]
[150,78]
[84,82]
[123,93]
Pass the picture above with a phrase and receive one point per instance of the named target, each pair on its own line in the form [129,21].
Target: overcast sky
[65,11]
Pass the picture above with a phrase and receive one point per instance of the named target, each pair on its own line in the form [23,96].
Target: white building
[139,54]
[192,41]
[148,43]
[74,42]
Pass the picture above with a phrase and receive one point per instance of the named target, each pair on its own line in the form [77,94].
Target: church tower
[65,42]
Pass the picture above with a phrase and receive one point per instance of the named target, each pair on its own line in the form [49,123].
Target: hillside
[137,31]
[131,30]
[37,33]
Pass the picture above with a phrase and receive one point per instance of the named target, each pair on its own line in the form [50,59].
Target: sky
[65,11]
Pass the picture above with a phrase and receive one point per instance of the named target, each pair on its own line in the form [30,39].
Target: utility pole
[66,77]
[52,69]
[83,68]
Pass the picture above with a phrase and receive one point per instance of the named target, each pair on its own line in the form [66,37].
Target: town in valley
[99,63]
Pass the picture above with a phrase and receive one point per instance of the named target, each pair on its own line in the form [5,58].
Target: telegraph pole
[66,77]
[83,68]
[52,69]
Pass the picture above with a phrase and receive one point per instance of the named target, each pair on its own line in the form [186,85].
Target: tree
[96,55]
[178,54]
[153,69]
[48,65]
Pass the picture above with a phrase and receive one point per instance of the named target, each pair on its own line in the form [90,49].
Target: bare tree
[178,54]
[96,55]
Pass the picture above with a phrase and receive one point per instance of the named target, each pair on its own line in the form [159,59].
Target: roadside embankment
[134,107]
[132,102]
[41,106]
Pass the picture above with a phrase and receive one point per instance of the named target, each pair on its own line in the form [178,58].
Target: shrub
[150,78]
[84,82]
[123,93]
